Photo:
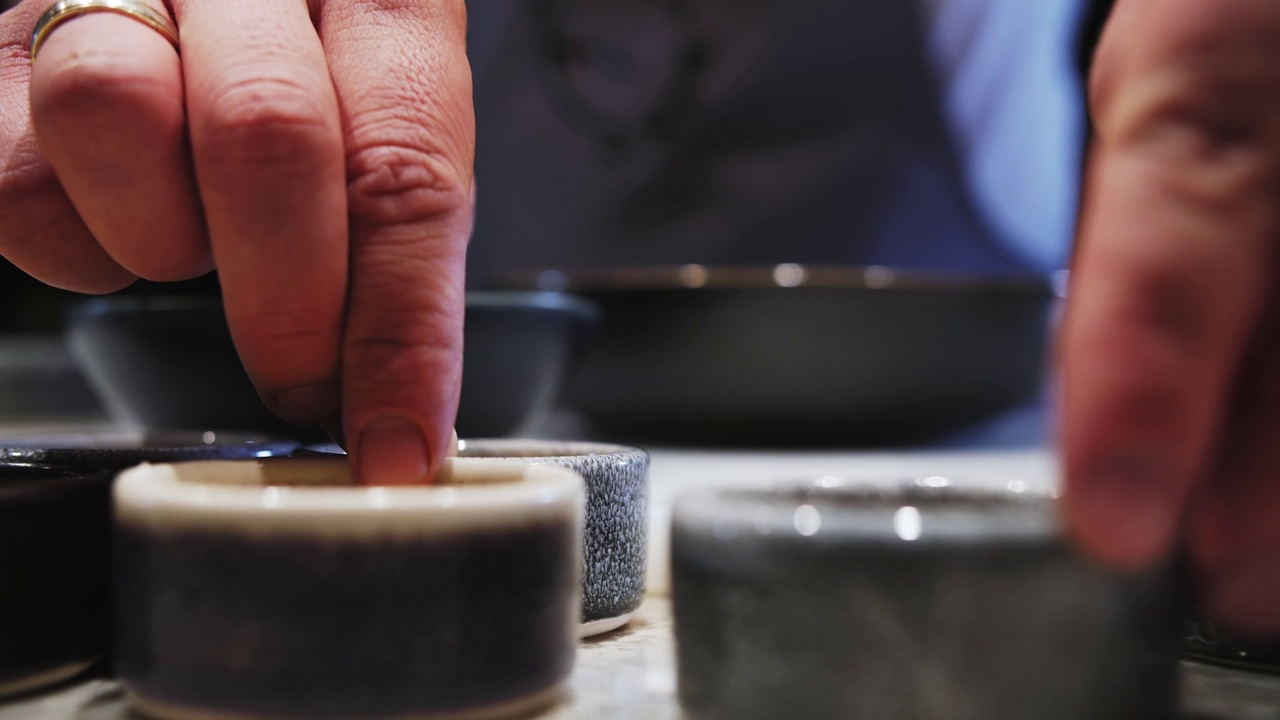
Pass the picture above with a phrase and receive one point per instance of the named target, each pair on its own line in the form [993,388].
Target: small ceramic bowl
[117,450]
[617,526]
[1203,640]
[55,578]
[616,534]
[930,603]
[278,589]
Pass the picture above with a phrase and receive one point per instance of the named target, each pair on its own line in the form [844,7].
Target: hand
[1171,351]
[319,156]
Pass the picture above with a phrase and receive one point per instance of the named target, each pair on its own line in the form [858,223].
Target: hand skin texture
[1171,347]
[318,155]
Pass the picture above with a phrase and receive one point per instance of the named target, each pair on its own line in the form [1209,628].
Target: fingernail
[1127,514]
[1248,600]
[392,451]
[309,404]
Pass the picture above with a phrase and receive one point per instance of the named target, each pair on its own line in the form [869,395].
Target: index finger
[1176,250]
[402,76]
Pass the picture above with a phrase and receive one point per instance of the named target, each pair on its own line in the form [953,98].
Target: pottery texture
[774,623]
[334,601]
[615,540]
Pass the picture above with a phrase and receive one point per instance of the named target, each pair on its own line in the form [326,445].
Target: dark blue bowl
[169,363]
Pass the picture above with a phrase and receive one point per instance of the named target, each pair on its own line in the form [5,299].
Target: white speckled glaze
[615,541]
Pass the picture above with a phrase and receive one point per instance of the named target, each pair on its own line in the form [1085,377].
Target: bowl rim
[137,441]
[694,276]
[75,477]
[514,299]
[474,493]
[557,449]
[909,513]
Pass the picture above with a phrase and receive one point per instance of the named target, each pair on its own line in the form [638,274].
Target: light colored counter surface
[630,674]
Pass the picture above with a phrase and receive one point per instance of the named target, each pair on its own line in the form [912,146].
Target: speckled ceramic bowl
[833,600]
[55,578]
[615,538]
[616,534]
[277,589]
[117,450]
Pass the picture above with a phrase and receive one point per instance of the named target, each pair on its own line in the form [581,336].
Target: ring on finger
[64,10]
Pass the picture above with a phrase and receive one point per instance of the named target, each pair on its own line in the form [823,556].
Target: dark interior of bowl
[170,364]
[834,358]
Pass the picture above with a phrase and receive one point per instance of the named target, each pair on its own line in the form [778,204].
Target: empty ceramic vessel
[55,577]
[278,589]
[833,600]
[117,450]
[615,537]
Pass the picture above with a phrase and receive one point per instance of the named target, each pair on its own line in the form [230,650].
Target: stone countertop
[630,675]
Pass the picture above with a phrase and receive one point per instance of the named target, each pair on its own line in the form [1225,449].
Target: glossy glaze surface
[318,599]
[121,449]
[54,572]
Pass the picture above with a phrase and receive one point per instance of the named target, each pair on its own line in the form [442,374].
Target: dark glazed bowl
[278,588]
[1204,640]
[117,450]
[805,355]
[55,576]
[615,536]
[169,363]
[927,603]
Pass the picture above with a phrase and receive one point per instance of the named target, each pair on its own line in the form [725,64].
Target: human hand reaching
[1171,346]
[318,154]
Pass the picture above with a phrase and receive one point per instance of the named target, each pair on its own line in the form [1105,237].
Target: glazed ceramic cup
[277,589]
[617,526]
[616,534]
[55,579]
[930,603]
[117,450]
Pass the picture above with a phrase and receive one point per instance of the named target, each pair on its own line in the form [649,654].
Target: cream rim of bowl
[518,449]
[318,496]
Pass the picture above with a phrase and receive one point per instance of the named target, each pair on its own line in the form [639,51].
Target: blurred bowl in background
[169,363]
[797,355]
[40,382]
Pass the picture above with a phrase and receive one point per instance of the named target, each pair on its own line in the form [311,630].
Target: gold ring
[64,10]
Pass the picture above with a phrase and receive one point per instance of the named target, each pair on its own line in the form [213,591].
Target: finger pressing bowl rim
[318,496]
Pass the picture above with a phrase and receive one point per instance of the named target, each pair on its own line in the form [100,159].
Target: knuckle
[271,328]
[1169,322]
[101,85]
[398,184]
[406,341]
[265,122]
